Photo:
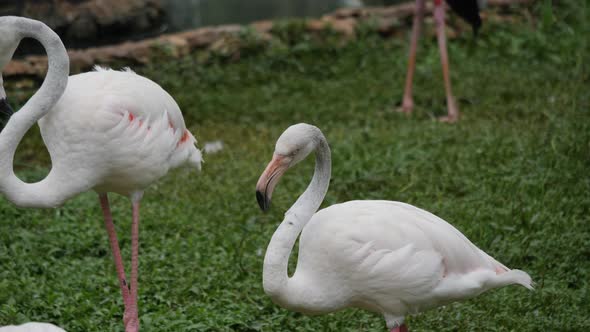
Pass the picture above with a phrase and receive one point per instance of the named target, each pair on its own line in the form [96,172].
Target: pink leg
[439,17]
[110,226]
[133,324]
[408,102]
[401,328]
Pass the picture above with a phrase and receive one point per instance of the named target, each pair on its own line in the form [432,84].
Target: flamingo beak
[269,179]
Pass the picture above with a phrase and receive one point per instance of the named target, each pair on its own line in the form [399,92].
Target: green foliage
[291,31]
[512,175]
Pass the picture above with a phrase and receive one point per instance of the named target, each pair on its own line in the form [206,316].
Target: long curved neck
[275,275]
[38,194]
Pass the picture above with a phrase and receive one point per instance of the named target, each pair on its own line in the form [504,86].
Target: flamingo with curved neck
[383,256]
[105,130]
[12,30]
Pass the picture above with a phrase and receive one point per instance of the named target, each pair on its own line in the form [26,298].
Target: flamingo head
[294,145]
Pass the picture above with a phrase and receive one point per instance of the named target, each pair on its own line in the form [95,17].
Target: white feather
[213,147]
[32,327]
[118,129]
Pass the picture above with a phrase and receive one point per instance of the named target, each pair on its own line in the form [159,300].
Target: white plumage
[123,132]
[387,257]
[32,327]
[111,131]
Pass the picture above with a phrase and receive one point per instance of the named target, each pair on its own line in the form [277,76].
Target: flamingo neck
[43,193]
[276,281]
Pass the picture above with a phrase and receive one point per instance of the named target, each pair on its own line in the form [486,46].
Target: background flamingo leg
[408,101]
[401,328]
[110,226]
[439,18]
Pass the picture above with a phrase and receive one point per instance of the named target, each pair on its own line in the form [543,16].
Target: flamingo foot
[130,319]
[449,119]
[453,112]
[131,316]
[407,106]
[401,328]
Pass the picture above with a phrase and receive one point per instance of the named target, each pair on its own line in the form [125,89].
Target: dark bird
[466,9]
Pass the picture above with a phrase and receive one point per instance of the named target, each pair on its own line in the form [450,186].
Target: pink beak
[269,179]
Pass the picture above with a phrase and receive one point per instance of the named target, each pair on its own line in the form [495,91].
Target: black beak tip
[263,202]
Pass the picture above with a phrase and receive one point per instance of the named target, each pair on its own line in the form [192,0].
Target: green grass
[512,175]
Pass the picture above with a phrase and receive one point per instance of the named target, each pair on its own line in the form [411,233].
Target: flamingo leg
[110,226]
[439,18]
[408,102]
[133,324]
[401,328]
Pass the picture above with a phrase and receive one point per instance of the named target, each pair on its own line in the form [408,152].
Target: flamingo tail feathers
[513,277]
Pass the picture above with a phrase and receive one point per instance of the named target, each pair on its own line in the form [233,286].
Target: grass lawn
[512,175]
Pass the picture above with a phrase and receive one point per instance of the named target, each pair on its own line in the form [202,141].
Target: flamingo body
[32,327]
[389,257]
[118,131]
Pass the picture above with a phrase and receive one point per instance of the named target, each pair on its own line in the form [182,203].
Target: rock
[345,26]
[315,25]
[178,46]
[387,26]
[263,27]
[83,22]
[80,61]
[14,68]
[82,27]
[203,37]
[226,46]
[347,12]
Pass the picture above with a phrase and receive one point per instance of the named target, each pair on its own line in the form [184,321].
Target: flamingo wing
[32,327]
[392,255]
[117,125]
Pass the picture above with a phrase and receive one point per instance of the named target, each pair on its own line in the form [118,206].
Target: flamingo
[105,130]
[388,257]
[32,327]
[469,11]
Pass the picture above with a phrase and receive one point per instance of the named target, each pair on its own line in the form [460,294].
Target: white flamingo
[105,130]
[388,257]
[32,327]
